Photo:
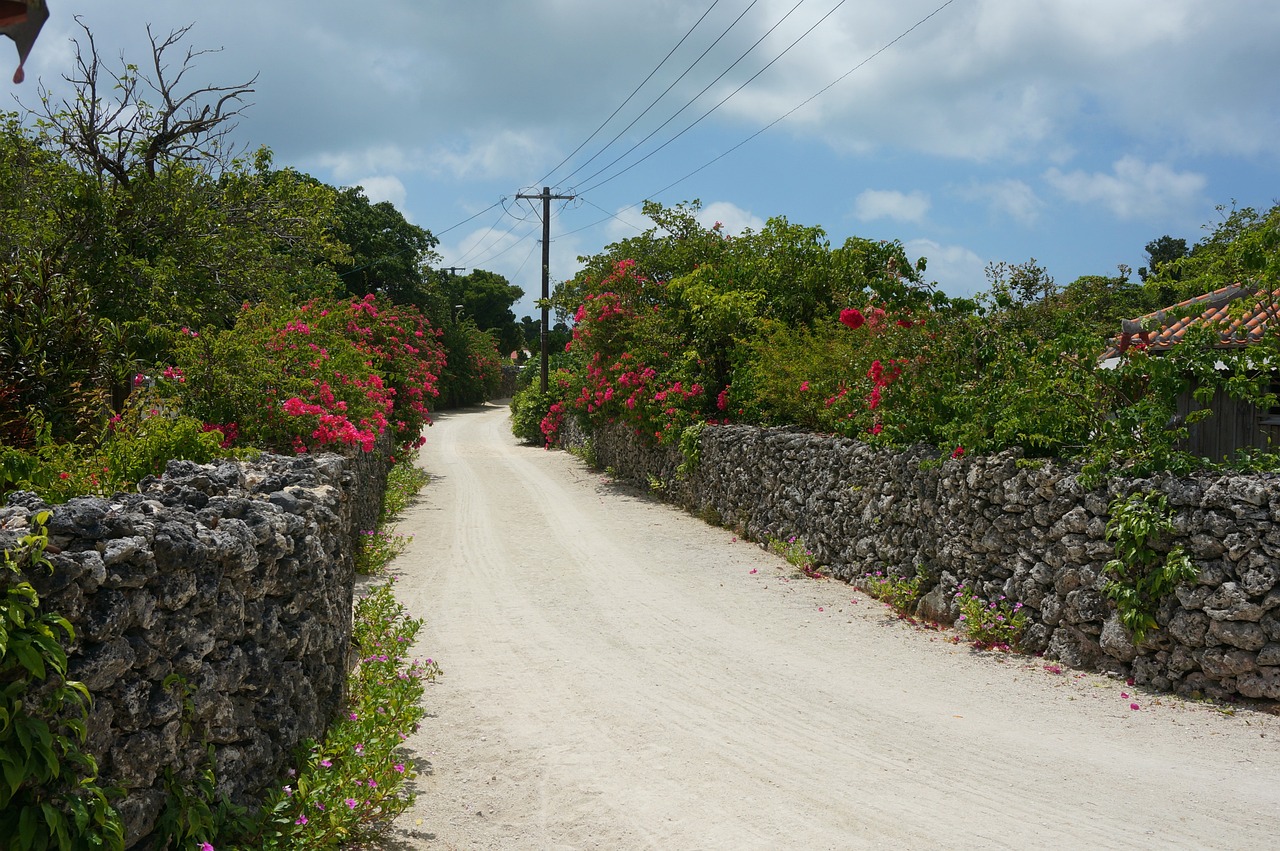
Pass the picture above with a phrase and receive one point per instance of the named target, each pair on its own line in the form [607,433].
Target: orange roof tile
[1233,331]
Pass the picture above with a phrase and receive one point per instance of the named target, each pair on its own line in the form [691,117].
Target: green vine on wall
[49,795]
[691,449]
[1138,577]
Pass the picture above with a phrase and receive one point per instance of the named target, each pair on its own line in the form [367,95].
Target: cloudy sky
[1071,131]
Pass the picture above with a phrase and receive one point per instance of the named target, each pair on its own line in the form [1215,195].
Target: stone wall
[1002,526]
[233,580]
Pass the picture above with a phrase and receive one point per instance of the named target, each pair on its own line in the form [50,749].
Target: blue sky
[1071,131]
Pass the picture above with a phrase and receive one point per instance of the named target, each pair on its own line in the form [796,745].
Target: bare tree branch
[120,135]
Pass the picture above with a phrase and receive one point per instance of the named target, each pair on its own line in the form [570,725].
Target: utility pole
[454,270]
[547,198]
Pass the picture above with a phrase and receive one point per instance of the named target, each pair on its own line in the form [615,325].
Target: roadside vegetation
[165,296]
[685,325]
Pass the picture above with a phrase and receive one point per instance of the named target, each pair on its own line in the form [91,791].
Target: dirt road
[620,675]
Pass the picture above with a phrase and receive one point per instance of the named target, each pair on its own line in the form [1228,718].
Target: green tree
[388,256]
[1161,252]
[486,299]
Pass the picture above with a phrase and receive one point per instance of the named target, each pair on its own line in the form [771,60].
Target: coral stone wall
[228,583]
[1002,526]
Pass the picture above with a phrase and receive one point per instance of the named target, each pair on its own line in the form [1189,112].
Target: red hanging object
[21,20]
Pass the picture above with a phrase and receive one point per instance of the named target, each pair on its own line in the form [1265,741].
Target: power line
[722,102]
[655,101]
[694,99]
[437,236]
[767,127]
[485,241]
[633,94]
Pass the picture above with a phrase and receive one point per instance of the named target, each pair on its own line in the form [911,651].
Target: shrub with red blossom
[313,375]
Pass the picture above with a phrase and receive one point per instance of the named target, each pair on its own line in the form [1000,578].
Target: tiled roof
[1211,308]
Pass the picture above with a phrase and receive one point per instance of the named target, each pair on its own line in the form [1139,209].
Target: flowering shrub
[353,784]
[996,625]
[793,549]
[321,373]
[897,592]
[625,370]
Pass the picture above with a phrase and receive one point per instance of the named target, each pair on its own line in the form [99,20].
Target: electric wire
[483,243]
[807,100]
[695,98]
[634,92]
[492,255]
[655,101]
[768,126]
[384,257]
[721,103]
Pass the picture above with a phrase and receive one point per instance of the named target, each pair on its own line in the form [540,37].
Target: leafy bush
[896,592]
[49,797]
[1138,577]
[531,408]
[990,626]
[322,373]
[473,369]
[145,437]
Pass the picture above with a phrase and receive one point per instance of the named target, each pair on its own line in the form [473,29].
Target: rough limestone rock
[235,577]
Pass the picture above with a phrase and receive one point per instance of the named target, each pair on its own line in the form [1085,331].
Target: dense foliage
[684,324]
[164,298]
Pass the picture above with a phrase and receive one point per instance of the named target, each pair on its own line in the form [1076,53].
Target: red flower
[958,452]
[852,317]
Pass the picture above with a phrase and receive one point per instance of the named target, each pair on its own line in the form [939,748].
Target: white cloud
[1133,189]
[384,188]
[346,166]
[626,222]
[1009,197]
[504,153]
[957,269]
[891,204]
[733,219]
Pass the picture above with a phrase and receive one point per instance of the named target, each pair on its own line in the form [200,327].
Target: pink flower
[301,820]
[205,846]
[324,763]
[400,767]
[852,318]
[804,385]
[1134,706]
[351,803]
[958,452]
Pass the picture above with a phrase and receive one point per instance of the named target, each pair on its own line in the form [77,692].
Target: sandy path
[620,675]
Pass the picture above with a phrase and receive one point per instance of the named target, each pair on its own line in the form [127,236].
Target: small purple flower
[351,803]
[301,820]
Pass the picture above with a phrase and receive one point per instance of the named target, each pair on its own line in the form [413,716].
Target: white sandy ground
[621,675]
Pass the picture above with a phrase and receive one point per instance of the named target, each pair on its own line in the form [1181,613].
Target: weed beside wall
[1012,532]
